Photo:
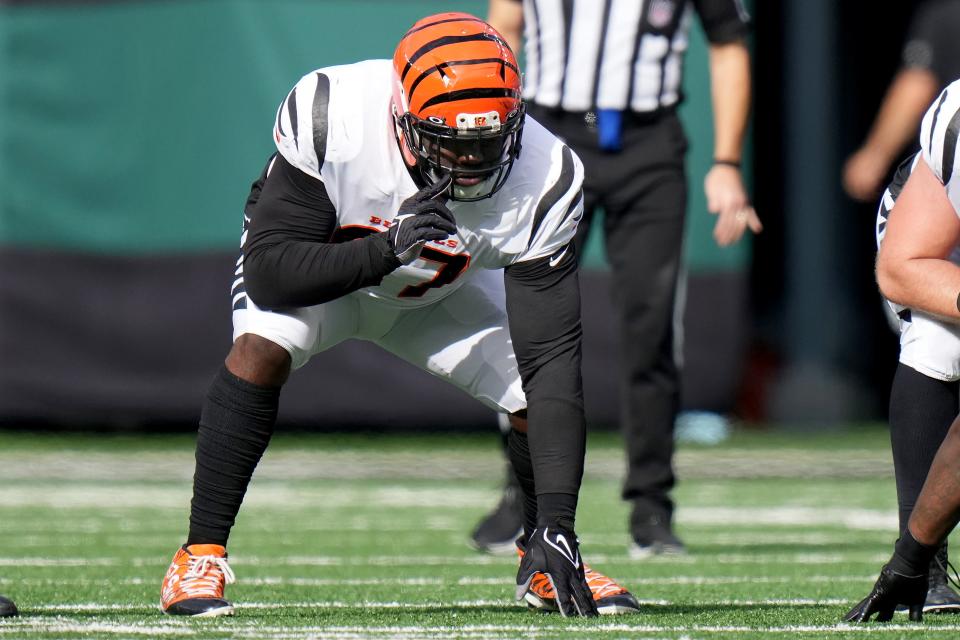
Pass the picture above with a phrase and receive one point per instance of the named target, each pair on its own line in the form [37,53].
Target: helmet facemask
[456,103]
[478,152]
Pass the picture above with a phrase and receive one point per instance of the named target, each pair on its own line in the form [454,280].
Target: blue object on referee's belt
[610,129]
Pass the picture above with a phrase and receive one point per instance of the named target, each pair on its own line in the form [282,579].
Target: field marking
[881,519]
[59,626]
[239,628]
[596,559]
[329,461]
[59,562]
[286,498]
[277,497]
[460,604]
[505,581]
[43,534]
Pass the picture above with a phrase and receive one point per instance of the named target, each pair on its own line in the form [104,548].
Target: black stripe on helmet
[443,41]
[440,67]
[427,26]
[469,94]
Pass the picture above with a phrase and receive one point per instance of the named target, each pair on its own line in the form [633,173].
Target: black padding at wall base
[124,342]
[714,342]
[112,341]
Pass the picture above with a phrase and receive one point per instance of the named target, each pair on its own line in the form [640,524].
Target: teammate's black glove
[422,217]
[555,553]
[890,590]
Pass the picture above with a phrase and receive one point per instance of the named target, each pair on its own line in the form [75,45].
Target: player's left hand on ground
[890,590]
[727,198]
[555,553]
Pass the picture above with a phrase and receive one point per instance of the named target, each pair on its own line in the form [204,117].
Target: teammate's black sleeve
[543,308]
[723,20]
[289,259]
[932,42]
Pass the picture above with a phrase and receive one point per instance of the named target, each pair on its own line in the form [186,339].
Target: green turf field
[365,537]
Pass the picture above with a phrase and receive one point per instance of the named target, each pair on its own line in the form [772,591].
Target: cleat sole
[209,613]
[215,613]
[612,609]
[942,608]
[616,609]
[535,602]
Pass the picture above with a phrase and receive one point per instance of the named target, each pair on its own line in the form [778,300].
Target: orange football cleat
[610,597]
[195,580]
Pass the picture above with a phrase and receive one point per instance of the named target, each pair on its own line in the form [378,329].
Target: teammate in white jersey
[399,209]
[916,272]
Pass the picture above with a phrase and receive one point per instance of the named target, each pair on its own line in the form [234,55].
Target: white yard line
[238,628]
[276,496]
[17,626]
[330,463]
[463,604]
[59,562]
[849,518]
[426,581]
[316,502]
[506,580]
[598,559]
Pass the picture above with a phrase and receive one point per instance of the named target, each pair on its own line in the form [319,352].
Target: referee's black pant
[643,193]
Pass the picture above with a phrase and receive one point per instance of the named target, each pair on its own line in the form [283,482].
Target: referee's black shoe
[497,533]
[651,532]
[7,608]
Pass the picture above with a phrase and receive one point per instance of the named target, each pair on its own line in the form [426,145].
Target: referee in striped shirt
[605,75]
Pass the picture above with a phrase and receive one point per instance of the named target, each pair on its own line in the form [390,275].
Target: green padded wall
[135,127]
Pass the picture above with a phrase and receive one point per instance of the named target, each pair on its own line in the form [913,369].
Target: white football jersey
[938,141]
[336,125]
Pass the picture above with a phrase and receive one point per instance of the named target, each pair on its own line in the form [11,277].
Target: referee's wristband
[727,163]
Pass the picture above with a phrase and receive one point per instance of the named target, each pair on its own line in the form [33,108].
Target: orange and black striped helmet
[457,103]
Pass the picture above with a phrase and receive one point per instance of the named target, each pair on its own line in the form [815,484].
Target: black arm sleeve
[289,259]
[543,307]
[931,41]
[723,21]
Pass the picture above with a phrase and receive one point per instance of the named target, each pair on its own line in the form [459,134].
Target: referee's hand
[727,199]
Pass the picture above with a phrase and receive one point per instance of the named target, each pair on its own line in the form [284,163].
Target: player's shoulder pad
[559,205]
[321,120]
[939,132]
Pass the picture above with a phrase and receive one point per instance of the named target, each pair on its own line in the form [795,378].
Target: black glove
[890,590]
[422,217]
[555,553]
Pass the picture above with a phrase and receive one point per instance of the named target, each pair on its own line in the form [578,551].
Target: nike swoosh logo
[566,551]
[555,259]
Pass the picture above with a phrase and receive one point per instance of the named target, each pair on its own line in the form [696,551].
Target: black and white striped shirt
[617,54]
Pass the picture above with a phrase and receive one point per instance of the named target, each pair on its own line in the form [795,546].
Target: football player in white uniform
[399,209]
[918,272]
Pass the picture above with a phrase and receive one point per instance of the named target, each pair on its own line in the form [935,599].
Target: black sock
[921,411]
[518,451]
[556,509]
[912,558]
[236,423]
